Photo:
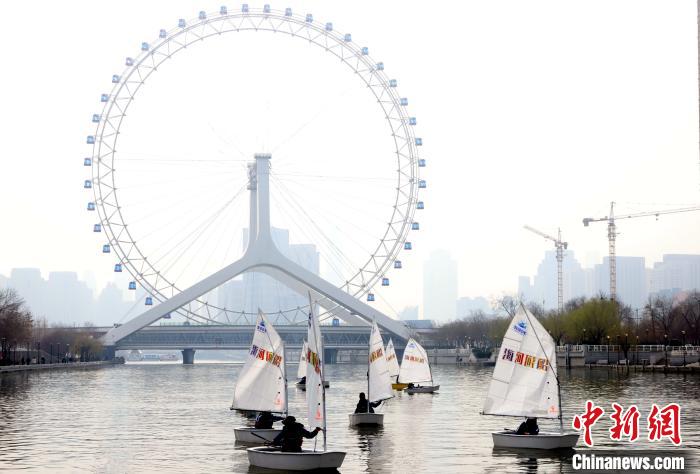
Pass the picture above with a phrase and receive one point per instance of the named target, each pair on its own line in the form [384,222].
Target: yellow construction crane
[612,232]
[560,246]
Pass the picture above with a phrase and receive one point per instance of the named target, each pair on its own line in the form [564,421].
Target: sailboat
[525,383]
[378,381]
[301,371]
[415,369]
[262,383]
[307,459]
[393,365]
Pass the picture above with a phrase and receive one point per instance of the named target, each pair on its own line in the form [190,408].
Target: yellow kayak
[399,386]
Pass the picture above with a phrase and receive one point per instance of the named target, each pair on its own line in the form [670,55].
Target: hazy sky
[531,112]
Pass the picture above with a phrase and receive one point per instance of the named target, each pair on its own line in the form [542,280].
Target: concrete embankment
[69,365]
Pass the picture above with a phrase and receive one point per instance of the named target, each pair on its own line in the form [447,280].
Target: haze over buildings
[635,282]
[440,286]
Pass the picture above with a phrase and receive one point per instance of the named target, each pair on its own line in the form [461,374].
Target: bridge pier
[108,352]
[330,356]
[188,356]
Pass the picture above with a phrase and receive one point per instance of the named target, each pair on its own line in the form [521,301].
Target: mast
[323,379]
[286,395]
[369,353]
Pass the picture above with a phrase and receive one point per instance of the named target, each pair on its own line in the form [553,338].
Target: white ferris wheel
[171,211]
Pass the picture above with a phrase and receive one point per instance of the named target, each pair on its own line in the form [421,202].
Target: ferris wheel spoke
[307,231]
[200,225]
[332,246]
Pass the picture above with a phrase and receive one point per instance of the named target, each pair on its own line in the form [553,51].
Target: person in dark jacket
[528,427]
[362,404]
[292,435]
[265,419]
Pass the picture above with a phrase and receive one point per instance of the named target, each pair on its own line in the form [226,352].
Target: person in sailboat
[302,381]
[292,435]
[528,427]
[362,404]
[265,419]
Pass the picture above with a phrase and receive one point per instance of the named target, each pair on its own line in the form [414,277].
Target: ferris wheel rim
[402,216]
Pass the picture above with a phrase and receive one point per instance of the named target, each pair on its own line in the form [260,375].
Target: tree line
[24,338]
[599,320]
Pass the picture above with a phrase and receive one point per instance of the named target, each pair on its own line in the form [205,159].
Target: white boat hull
[255,435]
[366,419]
[430,389]
[543,440]
[272,458]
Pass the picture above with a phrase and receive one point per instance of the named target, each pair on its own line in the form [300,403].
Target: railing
[631,348]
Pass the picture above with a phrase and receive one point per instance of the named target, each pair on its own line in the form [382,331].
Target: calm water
[175,418]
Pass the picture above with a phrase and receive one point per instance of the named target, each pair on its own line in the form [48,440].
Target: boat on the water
[415,370]
[393,365]
[262,383]
[306,460]
[378,382]
[273,458]
[525,383]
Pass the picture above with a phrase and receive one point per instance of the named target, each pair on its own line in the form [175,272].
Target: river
[169,417]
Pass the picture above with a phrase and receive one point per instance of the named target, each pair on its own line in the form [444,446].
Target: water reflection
[174,418]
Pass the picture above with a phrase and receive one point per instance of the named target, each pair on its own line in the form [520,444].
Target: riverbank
[69,365]
[674,369]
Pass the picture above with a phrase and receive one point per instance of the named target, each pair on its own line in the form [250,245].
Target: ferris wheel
[163,214]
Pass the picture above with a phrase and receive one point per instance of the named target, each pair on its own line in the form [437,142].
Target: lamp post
[2,348]
[618,349]
[51,353]
[627,349]
[584,335]
[636,356]
[67,353]
[646,340]
[666,349]
[608,349]
[683,336]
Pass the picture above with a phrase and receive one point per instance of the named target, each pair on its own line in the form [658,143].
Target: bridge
[190,338]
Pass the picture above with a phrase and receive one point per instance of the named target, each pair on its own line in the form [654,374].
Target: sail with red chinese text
[391,360]
[261,382]
[414,365]
[379,384]
[524,379]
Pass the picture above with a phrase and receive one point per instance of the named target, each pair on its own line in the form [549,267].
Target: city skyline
[526,148]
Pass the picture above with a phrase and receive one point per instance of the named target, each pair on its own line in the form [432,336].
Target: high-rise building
[254,290]
[675,273]
[544,289]
[440,287]
[630,280]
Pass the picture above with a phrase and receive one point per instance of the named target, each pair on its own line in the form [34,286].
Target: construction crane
[612,233]
[560,246]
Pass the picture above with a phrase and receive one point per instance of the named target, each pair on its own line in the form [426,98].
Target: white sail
[261,383]
[301,371]
[524,379]
[414,366]
[314,374]
[379,379]
[391,360]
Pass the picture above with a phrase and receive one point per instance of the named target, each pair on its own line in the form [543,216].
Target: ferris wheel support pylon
[261,254]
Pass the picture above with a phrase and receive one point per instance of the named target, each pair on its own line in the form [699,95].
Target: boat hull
[366,419]
[399,386]
[302,386]
[430,389]
[272,458]
[543,440]
[255,435]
